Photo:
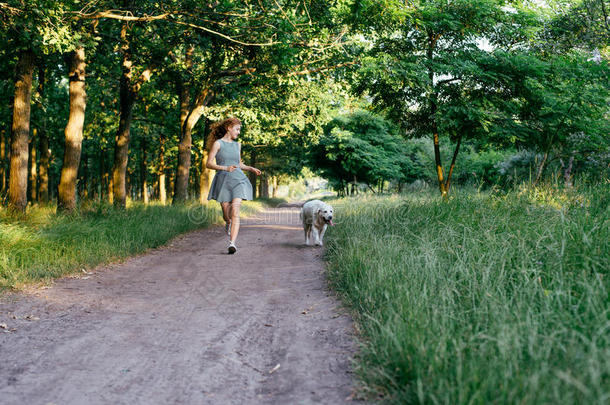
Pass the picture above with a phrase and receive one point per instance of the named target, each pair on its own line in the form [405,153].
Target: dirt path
[185,324]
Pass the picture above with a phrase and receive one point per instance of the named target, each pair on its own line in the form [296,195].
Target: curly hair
[219,129]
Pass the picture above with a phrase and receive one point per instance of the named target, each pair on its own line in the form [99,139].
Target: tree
[562,105]
[425,66]
[43,137]
[20,132]
[74,131]
[130,85]
[43,29]
[269,47]
[362,147]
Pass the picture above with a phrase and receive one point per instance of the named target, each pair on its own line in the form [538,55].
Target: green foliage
[428,68]
[43,26]
[581,24]
[480,167]
[476,70]
[363,147]
[479,299]
[272,86]
[565,96]
[559,108]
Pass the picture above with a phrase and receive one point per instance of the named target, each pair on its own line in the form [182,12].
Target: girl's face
[234,131]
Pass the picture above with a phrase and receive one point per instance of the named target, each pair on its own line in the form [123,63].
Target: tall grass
[42,244]
[480,299]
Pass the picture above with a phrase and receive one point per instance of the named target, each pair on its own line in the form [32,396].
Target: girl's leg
[235,207]
[226,211]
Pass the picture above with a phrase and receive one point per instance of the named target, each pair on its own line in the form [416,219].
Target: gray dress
[229,185]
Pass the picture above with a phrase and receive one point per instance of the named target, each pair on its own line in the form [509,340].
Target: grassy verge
[481,299]
[43,245]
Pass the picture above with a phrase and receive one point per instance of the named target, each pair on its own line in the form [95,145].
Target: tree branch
[111,14]
[10,9]
[228,38]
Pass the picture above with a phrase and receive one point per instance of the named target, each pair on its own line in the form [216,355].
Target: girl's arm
[242,166]
[210,163]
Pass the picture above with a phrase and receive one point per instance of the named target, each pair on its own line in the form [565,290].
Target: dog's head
[326,214]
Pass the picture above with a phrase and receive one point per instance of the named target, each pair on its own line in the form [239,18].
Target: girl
[230,184]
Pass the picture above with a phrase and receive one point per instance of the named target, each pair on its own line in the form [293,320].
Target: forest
[110,101]
[465,146]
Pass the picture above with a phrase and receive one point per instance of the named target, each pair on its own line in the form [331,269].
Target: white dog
[316,216]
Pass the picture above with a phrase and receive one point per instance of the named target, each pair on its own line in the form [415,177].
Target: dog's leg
[310,234]
[306,228]
[322,234]
[316,234]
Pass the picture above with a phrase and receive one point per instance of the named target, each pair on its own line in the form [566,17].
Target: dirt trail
[185,324]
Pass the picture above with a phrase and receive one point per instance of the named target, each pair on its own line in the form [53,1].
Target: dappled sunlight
[554,198]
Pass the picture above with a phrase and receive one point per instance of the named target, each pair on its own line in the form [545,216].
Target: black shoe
[232,248]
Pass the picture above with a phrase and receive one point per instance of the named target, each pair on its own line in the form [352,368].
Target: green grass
[42,245]
[485,298]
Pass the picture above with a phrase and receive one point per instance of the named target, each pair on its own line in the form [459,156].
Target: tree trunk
[455,153]
[184,148]
[110,188]
[437,160]
[66,199]
[263,191]
[541,168]
[205,174]
[20,131]
[432,39]
[33,175]
[170,185]
[251,175]
[205,179]
[144,173]
[43,185]
[128,92]
[43,141]
[128,184]
[274,185]
[2,162]
[121,148]
[162,189]
[162,186]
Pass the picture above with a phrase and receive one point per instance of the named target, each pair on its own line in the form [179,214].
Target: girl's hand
[256,171]
[231,168]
